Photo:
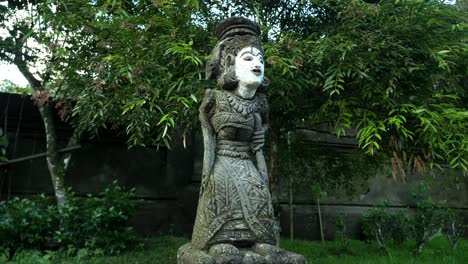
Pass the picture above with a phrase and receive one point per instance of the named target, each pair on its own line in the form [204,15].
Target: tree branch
[73,141]
[23,67]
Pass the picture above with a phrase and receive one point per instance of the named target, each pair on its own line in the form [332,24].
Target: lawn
[163,250]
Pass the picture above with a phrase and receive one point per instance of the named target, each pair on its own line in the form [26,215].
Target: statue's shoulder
[262,97]
[212,94]
[209,100]
[262,102]
[211,91]
[220,96]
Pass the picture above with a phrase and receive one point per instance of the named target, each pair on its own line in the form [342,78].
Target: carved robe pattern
[235,204]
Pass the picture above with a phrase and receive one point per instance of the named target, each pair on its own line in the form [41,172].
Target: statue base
[228,254]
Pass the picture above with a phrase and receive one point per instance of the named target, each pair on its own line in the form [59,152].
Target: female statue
[234,209]
[235,204]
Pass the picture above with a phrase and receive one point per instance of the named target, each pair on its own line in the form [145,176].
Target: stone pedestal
[228,254]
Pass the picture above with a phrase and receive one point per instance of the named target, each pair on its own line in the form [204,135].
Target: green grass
[163,250]
[437,251]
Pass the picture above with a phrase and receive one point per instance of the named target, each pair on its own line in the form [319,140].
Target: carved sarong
[235,205]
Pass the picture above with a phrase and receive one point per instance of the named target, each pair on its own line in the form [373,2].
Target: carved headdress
[234,34]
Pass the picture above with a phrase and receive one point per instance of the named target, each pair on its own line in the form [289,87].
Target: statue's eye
[248,58]
[261,60]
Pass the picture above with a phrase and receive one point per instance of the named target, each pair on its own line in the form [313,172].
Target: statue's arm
[265,112]
[262,118]
[208,132]
[262,123]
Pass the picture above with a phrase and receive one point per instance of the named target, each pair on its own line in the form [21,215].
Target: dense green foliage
[341,232]
[454,227]
[324,169]
[428,220]
[391,73]
[382,226]
[7,86]
[99,224]
[396,73]
[26,223]
[136,66]
[163,250]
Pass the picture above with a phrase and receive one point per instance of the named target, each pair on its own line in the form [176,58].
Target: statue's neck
[245,92]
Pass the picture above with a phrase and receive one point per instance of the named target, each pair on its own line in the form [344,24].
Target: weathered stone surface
[235,205]
[235,210]
[228,254]
[187,255]
[265,249]
[253,258]
[292,258]
[222,249]
[274,254]
[225,253]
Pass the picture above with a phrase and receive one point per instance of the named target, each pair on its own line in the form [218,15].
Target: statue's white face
[249,67]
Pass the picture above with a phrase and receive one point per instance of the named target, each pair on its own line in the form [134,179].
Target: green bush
[428,219]
[400,227]
[383,226]
[26,223]
[375,225]
[453,227]
[341,232]
[98,223]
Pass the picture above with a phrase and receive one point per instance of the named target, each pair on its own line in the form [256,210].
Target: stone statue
[235,221]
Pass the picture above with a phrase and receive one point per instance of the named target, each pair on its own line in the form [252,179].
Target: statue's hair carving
[235,34]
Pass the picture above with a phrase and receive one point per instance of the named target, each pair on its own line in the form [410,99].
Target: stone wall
[168,180]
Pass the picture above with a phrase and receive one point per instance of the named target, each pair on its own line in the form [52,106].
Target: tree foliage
[22,44]
[392,73]
[134,65]
[396,73]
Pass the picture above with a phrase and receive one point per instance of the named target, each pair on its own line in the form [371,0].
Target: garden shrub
[400,227]
[26,223]
[341,232]
[383,226]
[98,223]
[375,224]
[453,227]
[428,219]
[30,257]
[427,223]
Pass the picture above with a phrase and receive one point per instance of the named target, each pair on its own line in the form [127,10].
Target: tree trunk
[322,237]
[272,168]
[274,190]
[291,208]
[54,162]
[291,197]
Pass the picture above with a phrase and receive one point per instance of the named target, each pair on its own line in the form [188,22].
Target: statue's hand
[258,140]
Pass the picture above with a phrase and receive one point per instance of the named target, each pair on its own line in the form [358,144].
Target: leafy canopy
[392,73]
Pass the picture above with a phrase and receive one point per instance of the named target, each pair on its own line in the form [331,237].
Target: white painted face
[249,67]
